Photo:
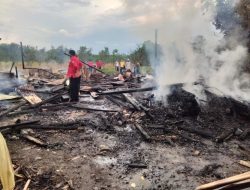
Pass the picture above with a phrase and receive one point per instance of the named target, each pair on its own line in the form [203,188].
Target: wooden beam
[225,181]
[143,132]
[96,108]
[12,109]
[19,124]
[34,140]
[127,90]
[244,163]
[201,132]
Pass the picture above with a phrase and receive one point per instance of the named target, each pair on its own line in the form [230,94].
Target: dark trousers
[74,88]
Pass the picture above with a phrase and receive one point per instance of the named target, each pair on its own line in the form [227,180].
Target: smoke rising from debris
[193,49]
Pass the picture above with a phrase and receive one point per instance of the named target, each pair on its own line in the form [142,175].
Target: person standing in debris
[117,66]
[137,69]
[122,67]
[99,64]
[74,76]
[128,65]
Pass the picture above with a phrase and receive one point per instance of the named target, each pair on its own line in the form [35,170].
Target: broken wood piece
[137,105]
[164,139]
[34,140]
[95,108]
[52,98]
[31,97]
[13,126]
[143,132]
[35,91]
[47,127]
[86,88]
[57,88]
[94,94]
[201,132]
[137,165]
[26,186]
[55,82]
[118,102]
[225,181]
[182,135]
[8,97]
[237,185]
[12,109]
[244,148]
[245,133]
[127,91]
[132,101]
[244,163]
[225,135]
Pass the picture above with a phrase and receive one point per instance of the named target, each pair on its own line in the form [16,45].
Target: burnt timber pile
[119,136]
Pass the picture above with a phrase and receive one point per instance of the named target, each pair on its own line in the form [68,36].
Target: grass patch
[108,68]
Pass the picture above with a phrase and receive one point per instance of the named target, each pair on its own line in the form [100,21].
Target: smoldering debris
[129,120]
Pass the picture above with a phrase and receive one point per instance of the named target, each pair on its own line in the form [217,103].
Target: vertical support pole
[156,50]
[22,55]
[13,63]
[16,72]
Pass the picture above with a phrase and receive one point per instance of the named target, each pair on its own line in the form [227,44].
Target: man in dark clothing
[74,76]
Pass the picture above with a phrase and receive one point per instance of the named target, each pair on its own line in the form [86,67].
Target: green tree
[30,54]
[114,55]
[85,53]
[104,55]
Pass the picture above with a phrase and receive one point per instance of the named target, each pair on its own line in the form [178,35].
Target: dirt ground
[97,156]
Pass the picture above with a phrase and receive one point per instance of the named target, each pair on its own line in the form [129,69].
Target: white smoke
[193,48]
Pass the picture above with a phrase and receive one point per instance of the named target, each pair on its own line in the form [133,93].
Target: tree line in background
[12,52]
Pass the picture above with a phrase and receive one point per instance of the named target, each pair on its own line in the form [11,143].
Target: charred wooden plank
[201,132]
[19,124]
[86,107]
[55,97]
[132,101]
[12,109]
[143,132]
[117,102]
[34,140]
[128,90]
[22,112]
[35,91]
[137,105]
[137,165]
[221,138]
[57,88]
[245,133]
[47,127]
[244,148]
[180,134]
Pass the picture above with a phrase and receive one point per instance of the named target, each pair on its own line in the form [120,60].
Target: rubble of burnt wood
[218,119]
[178,114]
[177,119]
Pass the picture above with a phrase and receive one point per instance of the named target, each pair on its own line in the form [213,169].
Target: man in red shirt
[99,64]
[74,76]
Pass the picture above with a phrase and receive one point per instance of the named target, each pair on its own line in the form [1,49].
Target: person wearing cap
[74,76]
